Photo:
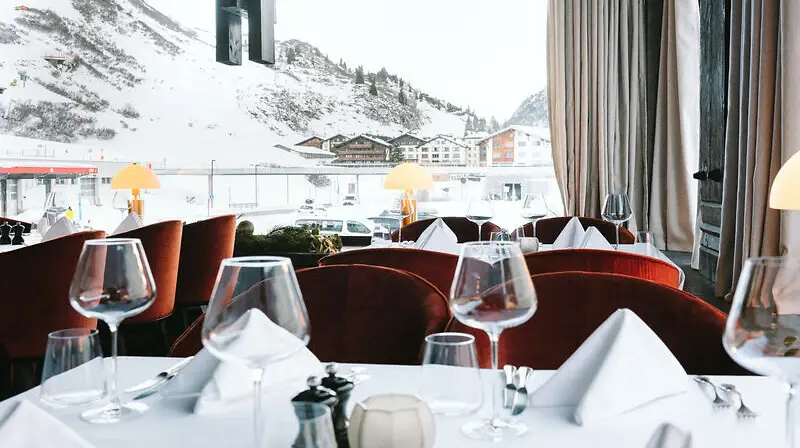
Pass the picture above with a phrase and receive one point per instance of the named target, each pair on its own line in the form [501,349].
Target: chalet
[519,145]
[442,150]
[363,150]
[476,152]
[408,143]
[313,142]
[308,152]
[330,143]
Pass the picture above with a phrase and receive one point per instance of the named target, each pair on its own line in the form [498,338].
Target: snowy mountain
[532,112]
[121,75]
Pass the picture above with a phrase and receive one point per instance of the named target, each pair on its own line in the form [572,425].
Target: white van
[335,226]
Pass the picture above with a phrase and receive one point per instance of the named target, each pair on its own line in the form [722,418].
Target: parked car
[350,199]
[336,226]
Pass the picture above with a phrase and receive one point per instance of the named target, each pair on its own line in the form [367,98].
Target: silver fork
[743,411]
[719,402]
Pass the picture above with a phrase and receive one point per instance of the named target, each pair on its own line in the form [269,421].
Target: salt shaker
[342,387]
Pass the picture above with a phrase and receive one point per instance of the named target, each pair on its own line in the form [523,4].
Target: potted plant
[305,246]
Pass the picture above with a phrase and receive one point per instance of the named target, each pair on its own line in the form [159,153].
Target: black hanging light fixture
[261,30]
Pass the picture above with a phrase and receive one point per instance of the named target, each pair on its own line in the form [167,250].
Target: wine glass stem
[617,245]
[258,421]
[480,231]
[113,379]
[400,233]
[534,228]
[494,337]
[790,414]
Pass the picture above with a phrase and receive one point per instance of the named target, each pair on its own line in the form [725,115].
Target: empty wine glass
[402,208]
[112,282]
[120,201]
[534,208]
[492,291]
[261,294]
[480,211]
[617,209]
[763,329]
[55,205]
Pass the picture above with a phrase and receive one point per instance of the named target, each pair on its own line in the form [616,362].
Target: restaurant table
[170,423]
[30,239]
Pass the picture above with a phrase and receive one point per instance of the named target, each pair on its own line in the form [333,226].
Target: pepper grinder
[342,387]
[314,394]
[5,234]
[17,229]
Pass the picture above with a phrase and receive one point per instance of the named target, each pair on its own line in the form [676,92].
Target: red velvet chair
[547,230]
[370,314]
[162,245]
[35,294]
[204,244]
[573,304]
[464,229]
[435,267]
[190,342]
[610,262]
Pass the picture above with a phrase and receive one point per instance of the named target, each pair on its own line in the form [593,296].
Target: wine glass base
[494,430]
[108,414]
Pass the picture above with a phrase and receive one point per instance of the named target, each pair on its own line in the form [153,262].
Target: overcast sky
[487,54]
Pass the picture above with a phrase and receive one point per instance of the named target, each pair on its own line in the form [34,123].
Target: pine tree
[383,75]
[360,75]
[402,83]
[373,89]
[402,97]
[495,126]
[396,155]
[468,126]
[291,55]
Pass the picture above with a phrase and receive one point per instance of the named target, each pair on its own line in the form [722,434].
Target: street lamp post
[211,188]
[255,169]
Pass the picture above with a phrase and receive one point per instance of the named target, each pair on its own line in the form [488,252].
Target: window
[522,143]
[357,227]
[509,155]
[509,144]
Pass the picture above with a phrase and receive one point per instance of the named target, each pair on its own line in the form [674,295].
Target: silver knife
[511,389]
[151,386]
[521,397]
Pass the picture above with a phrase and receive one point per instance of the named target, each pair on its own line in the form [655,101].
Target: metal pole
[287,189]
[255,168]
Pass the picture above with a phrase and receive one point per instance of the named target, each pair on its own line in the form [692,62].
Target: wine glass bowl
[480,211]
[112,282]
[492,291]
[617,209]
[534,208]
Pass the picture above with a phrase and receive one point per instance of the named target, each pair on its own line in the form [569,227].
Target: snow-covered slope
[532,112]
[136,81]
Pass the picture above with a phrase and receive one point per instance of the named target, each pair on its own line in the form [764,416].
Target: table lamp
[135,177]
[408,177]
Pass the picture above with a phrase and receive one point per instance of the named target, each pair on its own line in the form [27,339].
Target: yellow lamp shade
[408,176]
[785,193]
[135,177]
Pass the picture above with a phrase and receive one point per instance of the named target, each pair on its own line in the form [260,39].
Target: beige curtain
[676,142]
[596,91]
[753,139]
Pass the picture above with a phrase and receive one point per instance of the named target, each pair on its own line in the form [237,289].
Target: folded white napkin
[571,237]
[62,227]
[593,239]
[621,366]
[131,222]
[30,427]
[438,237]
[222,384]
[670,436]
[42,225]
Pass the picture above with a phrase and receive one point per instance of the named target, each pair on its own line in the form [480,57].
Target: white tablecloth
[645,249]
[169,424]
[33,238]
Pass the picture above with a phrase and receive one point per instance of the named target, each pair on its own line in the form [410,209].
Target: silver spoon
[718,402]
[743,411]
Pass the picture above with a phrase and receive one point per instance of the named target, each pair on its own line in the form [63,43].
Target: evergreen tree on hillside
[402,83]
[291,55]
[360,75]
[402,97]
[495,126]
[373,89]
[468,126]
[383,75]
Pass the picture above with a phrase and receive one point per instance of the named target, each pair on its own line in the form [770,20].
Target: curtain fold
[753,152]
[676,142]
[597,103]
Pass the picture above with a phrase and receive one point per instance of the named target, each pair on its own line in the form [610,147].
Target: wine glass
[534,208]
[402,208]
[617,209]
[480,211]
[55,204]
[256,293]
[112,282]
[120,201]
[492,291]
[763,329]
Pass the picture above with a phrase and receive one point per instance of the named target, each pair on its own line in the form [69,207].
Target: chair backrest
[370,314]
[435,267]
[204,244]
[35,293]
[12,222]
[464,229]
[162,245]
[573,304]
[190,341]
[610,262]
[547,230]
